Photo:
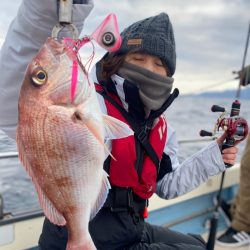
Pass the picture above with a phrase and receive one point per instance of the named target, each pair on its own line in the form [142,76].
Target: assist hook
[65,20]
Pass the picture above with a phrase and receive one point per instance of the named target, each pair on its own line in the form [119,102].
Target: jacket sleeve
[26,34]
[192,172]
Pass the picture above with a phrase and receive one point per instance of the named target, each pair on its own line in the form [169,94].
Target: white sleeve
[171,146]
[26,34]
[192,172]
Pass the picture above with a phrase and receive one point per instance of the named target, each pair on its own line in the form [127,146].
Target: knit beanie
[153,35]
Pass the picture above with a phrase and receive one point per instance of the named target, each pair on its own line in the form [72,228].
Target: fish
[61,142]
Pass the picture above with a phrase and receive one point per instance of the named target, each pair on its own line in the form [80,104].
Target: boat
[189,213]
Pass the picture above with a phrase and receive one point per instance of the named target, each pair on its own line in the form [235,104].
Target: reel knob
[217,108]
[108,39]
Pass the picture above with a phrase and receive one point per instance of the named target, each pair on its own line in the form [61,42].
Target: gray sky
[210,35]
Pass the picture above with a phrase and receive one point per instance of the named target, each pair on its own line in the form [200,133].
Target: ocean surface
[188,115]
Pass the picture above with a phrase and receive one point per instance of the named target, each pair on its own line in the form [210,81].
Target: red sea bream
[61,142]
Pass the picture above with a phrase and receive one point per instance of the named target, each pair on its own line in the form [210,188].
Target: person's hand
[228,154]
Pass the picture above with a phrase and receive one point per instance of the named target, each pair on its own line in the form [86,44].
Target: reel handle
[217,108]
[205,133]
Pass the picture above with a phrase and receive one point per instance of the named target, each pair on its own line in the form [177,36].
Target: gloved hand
[228,154]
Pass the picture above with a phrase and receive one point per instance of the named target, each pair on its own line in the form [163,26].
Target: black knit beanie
[153,35]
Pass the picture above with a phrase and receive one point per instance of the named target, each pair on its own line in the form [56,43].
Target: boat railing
[6,155]
[11,218]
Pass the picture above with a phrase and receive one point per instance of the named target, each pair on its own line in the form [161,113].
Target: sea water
[187,115]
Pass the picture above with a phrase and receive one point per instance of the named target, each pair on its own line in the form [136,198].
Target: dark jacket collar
[137,113]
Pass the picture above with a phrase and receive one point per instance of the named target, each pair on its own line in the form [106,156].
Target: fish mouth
[60,47]
[56,47]
[58,54]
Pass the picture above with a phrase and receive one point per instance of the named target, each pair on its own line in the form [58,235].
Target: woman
[134,85]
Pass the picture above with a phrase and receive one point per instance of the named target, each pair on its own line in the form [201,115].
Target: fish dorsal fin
[49,209]
[115,129]
[102,195]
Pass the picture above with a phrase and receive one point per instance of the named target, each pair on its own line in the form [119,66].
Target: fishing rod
[241,73]
[213,85]
[1,207]
[236,129]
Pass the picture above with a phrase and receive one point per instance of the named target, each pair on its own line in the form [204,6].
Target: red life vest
[122,171]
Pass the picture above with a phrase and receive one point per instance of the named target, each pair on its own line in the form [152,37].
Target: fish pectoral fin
[91,123]
[103,194]
[93,126]
[115,129]
[49,209]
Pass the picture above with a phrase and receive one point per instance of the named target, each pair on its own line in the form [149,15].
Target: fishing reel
[236,127]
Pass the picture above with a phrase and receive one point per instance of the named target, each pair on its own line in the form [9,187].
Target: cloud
[210,35]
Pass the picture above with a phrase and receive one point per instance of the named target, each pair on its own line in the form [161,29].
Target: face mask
[154,89]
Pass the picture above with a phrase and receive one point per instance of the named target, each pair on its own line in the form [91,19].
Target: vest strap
[140,133]
[121,199]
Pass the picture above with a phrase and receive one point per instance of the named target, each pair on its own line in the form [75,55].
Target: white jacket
[26,35]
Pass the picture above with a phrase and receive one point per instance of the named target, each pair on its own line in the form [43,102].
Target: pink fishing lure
[106,35]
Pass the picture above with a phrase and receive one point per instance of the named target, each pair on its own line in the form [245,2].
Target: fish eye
[40,77]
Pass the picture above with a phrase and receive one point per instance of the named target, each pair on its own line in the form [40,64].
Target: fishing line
[214,85]
[86,67]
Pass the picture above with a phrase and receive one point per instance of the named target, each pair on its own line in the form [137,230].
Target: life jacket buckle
[122,200]
[142,136]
